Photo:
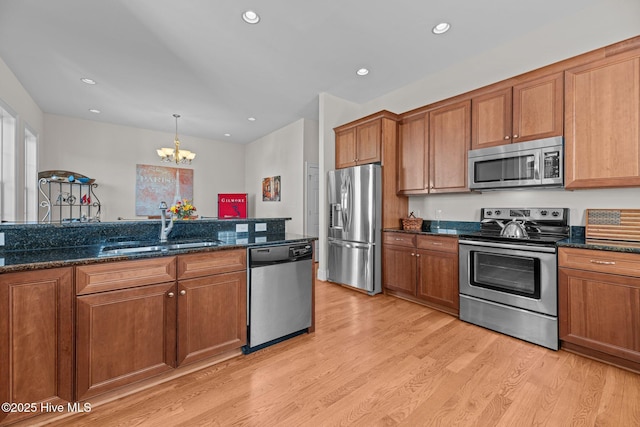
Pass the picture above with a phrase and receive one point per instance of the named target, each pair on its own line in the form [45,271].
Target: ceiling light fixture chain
[175,154]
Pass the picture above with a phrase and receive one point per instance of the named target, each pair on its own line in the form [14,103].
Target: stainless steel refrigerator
[355,221]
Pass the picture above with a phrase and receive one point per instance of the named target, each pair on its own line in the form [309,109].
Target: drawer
[438,243]
[109,276]
[625,264]
[208,263]
[399,239]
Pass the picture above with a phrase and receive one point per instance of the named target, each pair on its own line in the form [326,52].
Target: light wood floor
[384,361]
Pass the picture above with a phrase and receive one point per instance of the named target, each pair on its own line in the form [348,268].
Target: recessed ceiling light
[88,81]
[94,111]
[441,28]
[252,119]
[227,134]
[250,17]
[362,71]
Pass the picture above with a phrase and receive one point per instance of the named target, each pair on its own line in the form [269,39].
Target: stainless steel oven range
[508,274]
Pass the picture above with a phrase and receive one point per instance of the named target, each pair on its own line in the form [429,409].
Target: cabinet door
[449,142]
[538,108]
[399,269]
[413,156]
[368,138]
[438,279]
[124,336]
[602,124]
[491,119]
[212,315]
[36,331]
[346,148]
[600,311]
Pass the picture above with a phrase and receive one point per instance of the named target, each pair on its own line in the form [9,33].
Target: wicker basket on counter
[412,223]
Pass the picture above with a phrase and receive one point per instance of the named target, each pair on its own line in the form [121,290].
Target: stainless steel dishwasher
[279,293]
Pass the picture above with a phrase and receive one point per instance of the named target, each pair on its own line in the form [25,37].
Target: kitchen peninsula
[89,309]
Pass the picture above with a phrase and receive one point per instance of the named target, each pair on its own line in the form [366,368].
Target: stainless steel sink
[134,250]
[192,245]
[114,251]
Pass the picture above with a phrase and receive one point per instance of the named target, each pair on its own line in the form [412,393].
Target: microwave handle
[536,165]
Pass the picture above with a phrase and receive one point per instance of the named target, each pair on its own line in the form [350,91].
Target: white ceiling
[197,58]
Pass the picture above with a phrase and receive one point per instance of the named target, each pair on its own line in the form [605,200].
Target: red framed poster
[232,205]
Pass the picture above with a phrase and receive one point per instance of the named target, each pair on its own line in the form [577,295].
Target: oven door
[515,275]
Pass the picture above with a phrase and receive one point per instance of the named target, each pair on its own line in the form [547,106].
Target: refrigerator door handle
[351,245]
[349,204]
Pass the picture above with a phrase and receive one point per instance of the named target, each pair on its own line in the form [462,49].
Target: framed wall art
[155,184]
[271,189]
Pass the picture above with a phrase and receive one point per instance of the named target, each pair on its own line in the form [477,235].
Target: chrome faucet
[165,230]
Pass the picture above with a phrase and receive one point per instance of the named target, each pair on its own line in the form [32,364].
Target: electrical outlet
[242,228]
[261,226]
[1,262]
[1,239]
[261,239]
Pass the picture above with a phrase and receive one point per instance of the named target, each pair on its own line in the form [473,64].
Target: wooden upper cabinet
[538,108]
[432,150]
[363,141]
[345,148]
[491,119]
[529,110]
[413,159]
[449,142]
[368,149]
[602,123]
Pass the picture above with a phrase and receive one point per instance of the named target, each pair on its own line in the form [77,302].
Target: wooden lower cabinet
[127,333]
[212,315]
[124,336]
[599,305]
[438,279]
[399,269]
[422,268]
[36,332]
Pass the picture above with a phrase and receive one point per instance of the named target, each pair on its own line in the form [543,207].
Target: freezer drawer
[354,264]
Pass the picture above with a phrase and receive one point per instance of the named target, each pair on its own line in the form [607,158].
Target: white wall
[13,94]
[109,153]
[282,153]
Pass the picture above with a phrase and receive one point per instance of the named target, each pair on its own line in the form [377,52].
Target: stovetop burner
[543,226]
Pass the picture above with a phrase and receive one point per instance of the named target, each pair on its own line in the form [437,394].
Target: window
[8,187]
[30,175]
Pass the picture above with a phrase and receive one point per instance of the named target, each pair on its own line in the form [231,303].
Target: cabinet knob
[506,137]
[417,255]
[515,136]
[171,295]
[183,292]
[412,254]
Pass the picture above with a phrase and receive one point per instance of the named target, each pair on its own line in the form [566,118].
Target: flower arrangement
[183,209]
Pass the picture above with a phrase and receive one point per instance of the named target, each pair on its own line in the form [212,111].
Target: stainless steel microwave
[538,163]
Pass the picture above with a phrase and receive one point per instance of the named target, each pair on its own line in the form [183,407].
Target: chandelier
[176,154]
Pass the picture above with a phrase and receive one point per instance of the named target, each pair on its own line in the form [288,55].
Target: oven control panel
[524,213]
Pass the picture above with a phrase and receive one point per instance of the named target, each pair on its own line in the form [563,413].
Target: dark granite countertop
[33,259]
[581,243]
[443,228]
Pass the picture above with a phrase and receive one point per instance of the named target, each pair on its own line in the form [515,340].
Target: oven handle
[508,246]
